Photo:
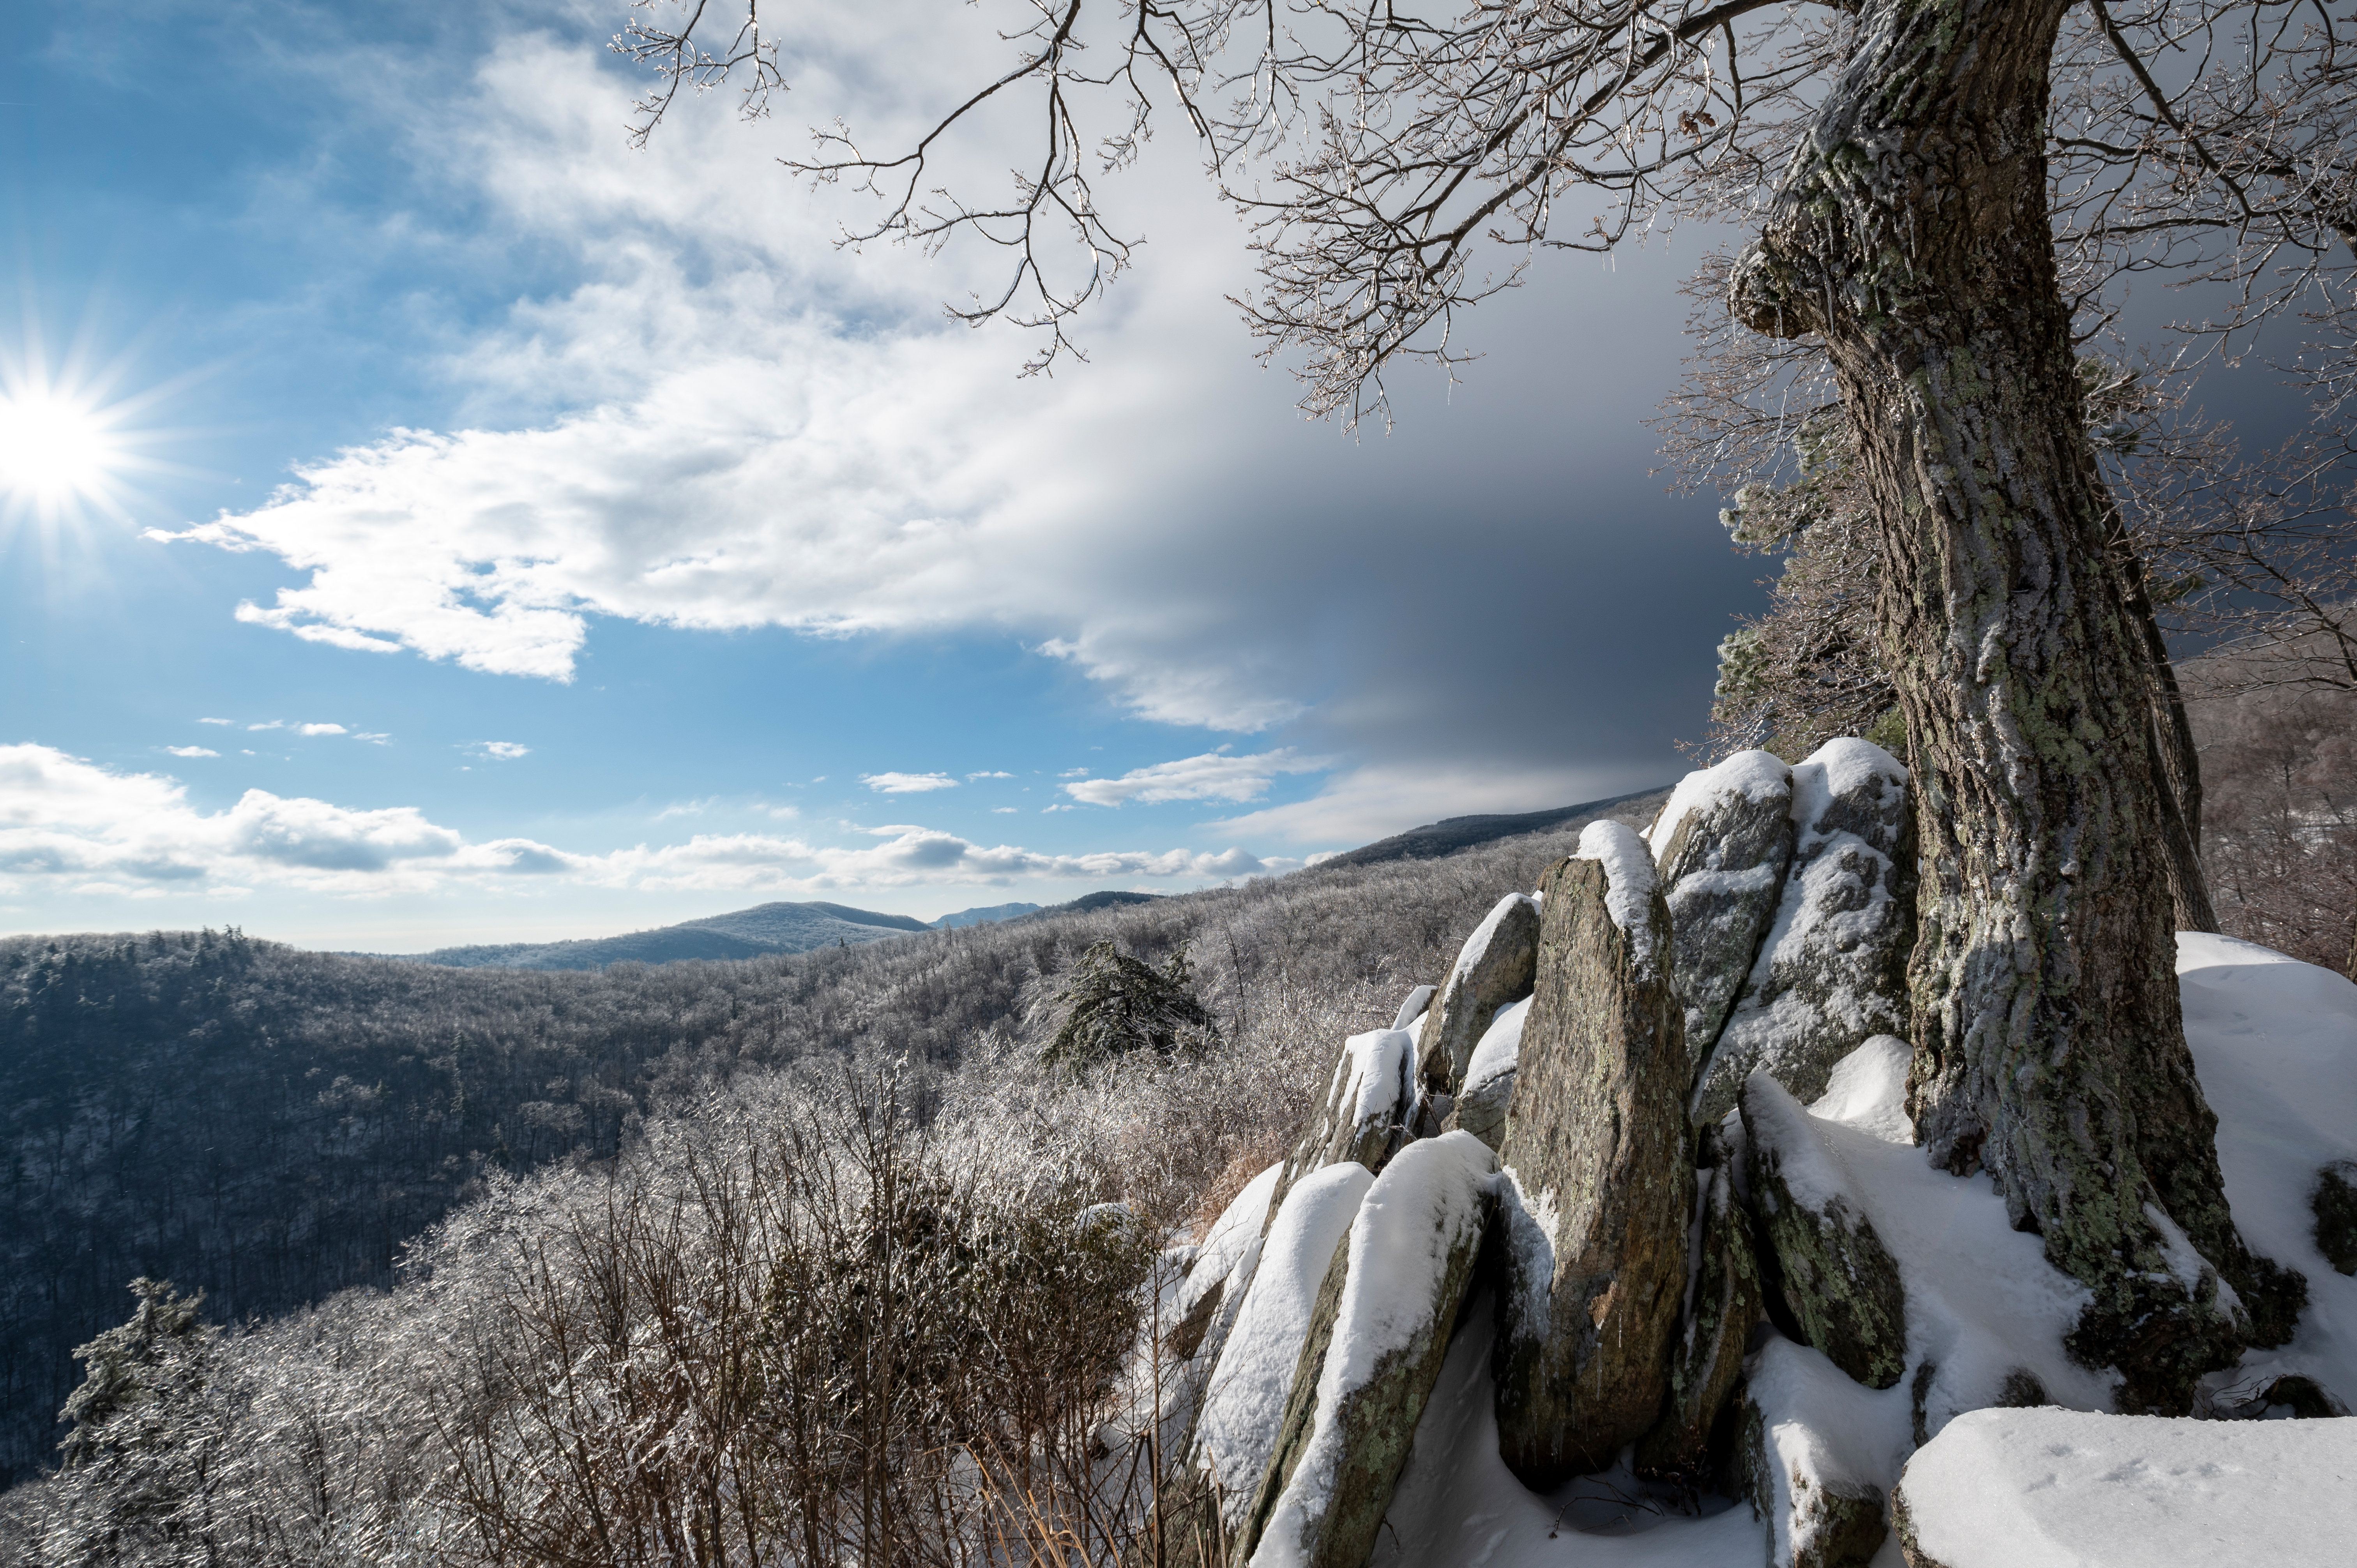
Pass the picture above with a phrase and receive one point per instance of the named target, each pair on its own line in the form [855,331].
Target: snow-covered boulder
[1816,1452]
[1492,968]
[1488,1085]
[1371,1101]
[1377,1336]
[1722,1306]
[2334,1203]
[2060,1488]
[1832,969]
[1839,1282]
[1597,1188]
[1723,844]
[1221,1272]
[1243,1397]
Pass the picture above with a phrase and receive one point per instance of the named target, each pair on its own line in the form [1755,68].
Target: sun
[54,449]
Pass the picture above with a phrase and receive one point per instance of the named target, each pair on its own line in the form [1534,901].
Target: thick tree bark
[1912,232]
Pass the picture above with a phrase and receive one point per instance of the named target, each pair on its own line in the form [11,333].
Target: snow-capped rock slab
[1242,1402]
[2058,1489]
[1488,1085]
[1831,971]
[1816,1453]
[1837,1278]
[1377,1337]
[1597,1190]
[1492,968]
[1369,1102]
[1723,844]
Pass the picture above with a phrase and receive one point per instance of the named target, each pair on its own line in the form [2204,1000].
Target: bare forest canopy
[271,1126]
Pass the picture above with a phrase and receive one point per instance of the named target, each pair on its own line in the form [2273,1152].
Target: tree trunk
[1912,232]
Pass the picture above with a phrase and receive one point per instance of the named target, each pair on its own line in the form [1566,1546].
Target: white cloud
[373,738]
[1369,803]
[972,776]
[1001,811]
[321,729]
[1214,776]
[69,824]
[500,750]
[1073,773]
[274,723]
[191,751]
[906,783]
[217,721]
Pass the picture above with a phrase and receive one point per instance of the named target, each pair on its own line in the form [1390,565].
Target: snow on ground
[2053,1489]
[1244,1406]
[2275,1044]
[1457,1506]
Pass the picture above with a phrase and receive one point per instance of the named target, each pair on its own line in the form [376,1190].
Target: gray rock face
[1825,1517]
[1377,1338]
[1495,967]
[1723,1303]
[1723,844]
[2335,1205]
[1598,1183]
[1831,969]
[1488,1087]
[1840,1282]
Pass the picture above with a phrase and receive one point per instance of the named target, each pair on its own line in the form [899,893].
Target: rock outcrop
[1371,1101]
[1377,1337]
[1722,1306]
[1723,844]
[2334,1203]
[1494,967]
[1599,1181]
[1840,1283]
[1488,1087]
[1831,970]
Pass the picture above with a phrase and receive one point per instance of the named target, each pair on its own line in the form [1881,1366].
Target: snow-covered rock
[2058,1489]
[1831,971]
[1371,1101]
[1816,1452]
[1723,1304]
[1243,1397]
[1492,968]
[1489,1088]
[1221,1272]
[1377,1337]
[1597,1190]
[1723,844]
[1838,1281]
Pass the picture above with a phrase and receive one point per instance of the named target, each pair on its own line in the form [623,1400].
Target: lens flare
[53,449]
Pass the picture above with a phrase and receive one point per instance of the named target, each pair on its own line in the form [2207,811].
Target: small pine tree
[1114,1004]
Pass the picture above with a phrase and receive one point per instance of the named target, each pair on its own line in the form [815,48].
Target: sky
[434,520]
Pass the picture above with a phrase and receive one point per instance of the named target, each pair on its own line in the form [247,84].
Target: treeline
[270,1126]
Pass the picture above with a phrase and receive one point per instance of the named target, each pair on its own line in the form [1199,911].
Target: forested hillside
[270,1126]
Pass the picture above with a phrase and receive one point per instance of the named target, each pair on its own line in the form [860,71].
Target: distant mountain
[988,915]
[1109,899]
[1452,834]
[746,933]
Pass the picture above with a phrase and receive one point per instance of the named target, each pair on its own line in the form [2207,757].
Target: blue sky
[509,535]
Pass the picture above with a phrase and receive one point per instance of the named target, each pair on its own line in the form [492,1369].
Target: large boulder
[1723,844]
[2005,1488]
[1377,1337]
[1599,1180]
[1494,967]
[1831,971]
[1242,1400]
[1835,1277]
[2334,1203]
[1722,1306]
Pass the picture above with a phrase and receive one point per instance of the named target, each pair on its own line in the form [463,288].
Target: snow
[2053,1489]
[1428,1201]
[1477,946]
[1457,1506]
[1627,879]
[1243,1405]
[1419,999]
[1868,1091]
[2274,1044]
[1838,768]
[1231,1247]
[1500,1050]
[1752,775]
[1817,1423]
[1371,1078]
